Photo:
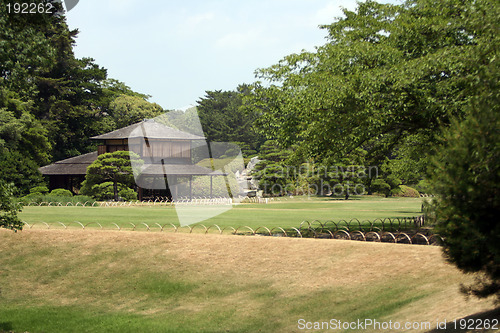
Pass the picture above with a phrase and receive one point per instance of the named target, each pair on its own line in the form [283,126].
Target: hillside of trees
[387,83]
[378,93]
[50,101]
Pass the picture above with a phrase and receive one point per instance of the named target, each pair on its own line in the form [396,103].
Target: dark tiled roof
[72,166]
[149,129]
[78,166]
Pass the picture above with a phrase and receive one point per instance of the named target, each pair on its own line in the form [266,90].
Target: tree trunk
[115,189]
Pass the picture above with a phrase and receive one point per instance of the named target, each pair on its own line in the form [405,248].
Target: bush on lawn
[60,192]
[380,186]
[405,191]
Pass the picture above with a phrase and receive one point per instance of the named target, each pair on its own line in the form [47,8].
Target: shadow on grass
[407,212]
[473,321]
[6,327]
[338,198]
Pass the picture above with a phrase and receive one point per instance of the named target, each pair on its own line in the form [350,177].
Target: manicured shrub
[405,191]
[127,194]
[61,192]
[201,186]
[380,186]
[37,198]
[39,190]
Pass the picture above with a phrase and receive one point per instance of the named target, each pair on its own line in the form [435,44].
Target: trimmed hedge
[60,192]
[405,191]
[39,198]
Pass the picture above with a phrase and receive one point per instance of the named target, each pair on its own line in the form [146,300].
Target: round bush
[39,190]
[380,186]
[60,192]
[127,194]
[405,191]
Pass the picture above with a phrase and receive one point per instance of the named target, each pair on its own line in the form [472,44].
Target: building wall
[177,151]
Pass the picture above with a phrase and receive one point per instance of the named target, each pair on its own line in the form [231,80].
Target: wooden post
[175,186]
[191,187]
[211,185]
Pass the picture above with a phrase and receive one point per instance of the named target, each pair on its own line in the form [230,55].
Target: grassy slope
[286,213]
[109,281]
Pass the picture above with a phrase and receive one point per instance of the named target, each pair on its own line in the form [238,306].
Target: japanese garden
[356,183]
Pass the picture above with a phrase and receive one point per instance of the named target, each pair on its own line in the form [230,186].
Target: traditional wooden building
[69,173]
[167,152]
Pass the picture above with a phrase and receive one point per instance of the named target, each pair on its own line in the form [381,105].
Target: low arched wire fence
[400,230]
[156,202]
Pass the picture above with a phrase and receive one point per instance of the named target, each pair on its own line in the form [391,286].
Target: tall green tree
[50,101]
[387,72]
[224,120]
[38,69]
[272,171]
[18,169]
[466,177]
[128,109]
[467,182]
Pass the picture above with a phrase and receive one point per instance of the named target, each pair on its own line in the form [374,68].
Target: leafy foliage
[105,191]
[61,192]
[387,73]
[279,173]
[405,191]
[466,169]
[38,198]
[19,169]
[9,208]
[224,120]
[273,171]
[50,101]
[110,168]
[39,190]
[126,110]
[466,179]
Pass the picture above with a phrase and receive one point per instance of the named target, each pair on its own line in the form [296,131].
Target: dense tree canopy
[41,77]
[387,73]
[224,120]
[126,110]
[466,178]
[50,101]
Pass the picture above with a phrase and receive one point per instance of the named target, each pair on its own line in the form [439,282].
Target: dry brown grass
[289,268]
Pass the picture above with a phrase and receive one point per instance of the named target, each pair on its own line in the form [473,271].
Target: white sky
[176,50]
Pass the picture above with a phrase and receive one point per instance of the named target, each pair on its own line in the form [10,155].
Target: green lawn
[283,213]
